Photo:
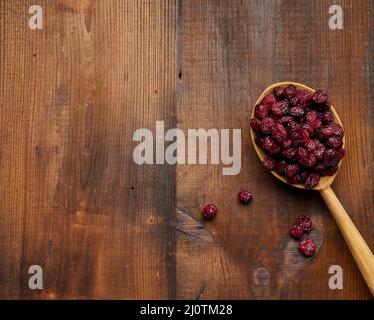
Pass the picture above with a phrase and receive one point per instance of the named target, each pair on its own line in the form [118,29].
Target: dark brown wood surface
[73,201]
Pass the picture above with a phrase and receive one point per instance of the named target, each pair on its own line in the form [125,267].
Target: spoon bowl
[325,181]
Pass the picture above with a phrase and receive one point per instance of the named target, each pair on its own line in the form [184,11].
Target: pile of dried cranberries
[297,131]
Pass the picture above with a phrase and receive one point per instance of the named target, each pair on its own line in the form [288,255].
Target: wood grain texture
[72,199]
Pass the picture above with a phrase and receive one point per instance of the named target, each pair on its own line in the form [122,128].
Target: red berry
[270,146]
[261,111]
[245,196]
[307,247]
[290,91]
[297,232]
[279,92]
[319,97]
[280,108]
[266,125]
[305,223]
[327,117]
[281,167]
[269,100]
[313,119]
[291,170]
[278,132]
[335,142]
[297,111]
[255,124]
[269,163]
[209,211]
[312,181]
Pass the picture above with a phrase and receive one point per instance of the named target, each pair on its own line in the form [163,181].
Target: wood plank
[74,201]
[232,51]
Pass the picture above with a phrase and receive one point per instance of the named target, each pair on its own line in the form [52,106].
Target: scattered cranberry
[297,232]
[245,196]
[305,223]
[297,131]
[209,211]
[307,247]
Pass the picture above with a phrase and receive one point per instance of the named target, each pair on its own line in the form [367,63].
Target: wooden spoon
[360,251]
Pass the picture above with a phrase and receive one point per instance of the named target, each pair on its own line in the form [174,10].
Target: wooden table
[72,199]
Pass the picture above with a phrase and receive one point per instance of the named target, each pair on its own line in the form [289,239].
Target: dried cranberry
[281,167]
[325,132]
[270,146]
[311,145]
[255,124]
[308,128]
[269,163]
[280,108]
[305,97]
[289,153]
[297,232]
[295,179]
[307,247]
[327,117]
[285,144]
[290,91]
[330,170]
[279,92]
[291,170]
[319,96]
[261,111]
[319,150]
[278,132]
[337,129]
[312,180]
[313,119]
[305,223]
[209,211]
[245,196]
[285,120]
[293,126]
[335,142]
[331,157]
[266,125]
[305,158]
[297,111]
[319,166]
[269,100]
[293,101]
[299,136]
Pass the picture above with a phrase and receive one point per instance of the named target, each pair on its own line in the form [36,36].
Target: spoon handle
[360,251]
